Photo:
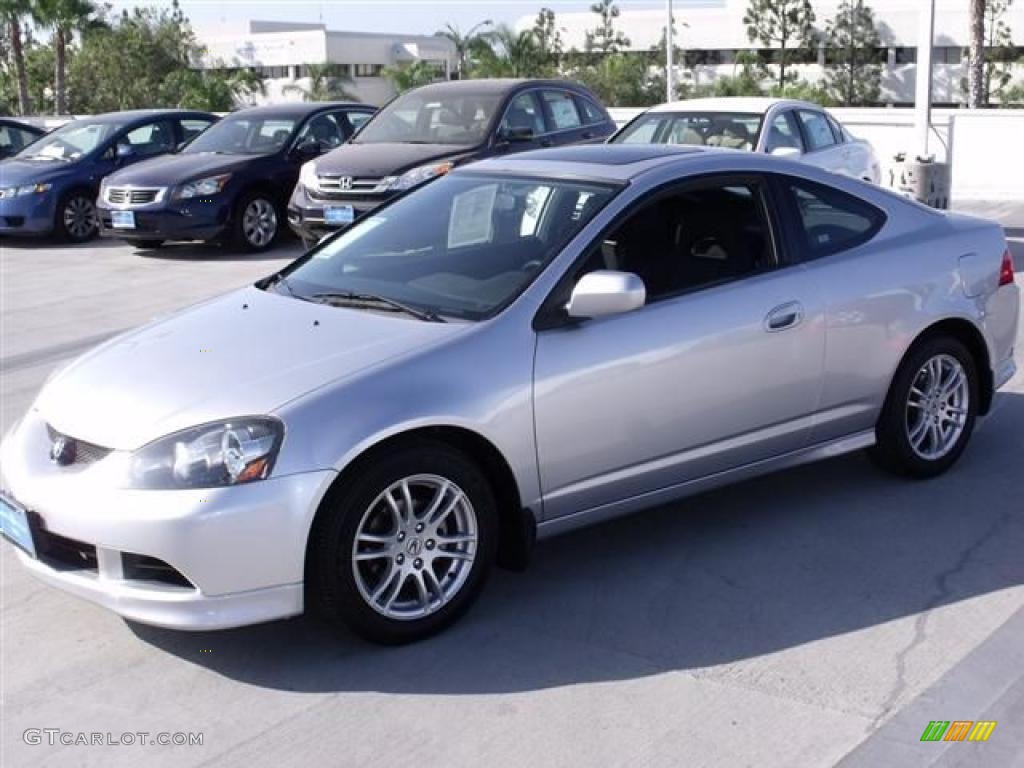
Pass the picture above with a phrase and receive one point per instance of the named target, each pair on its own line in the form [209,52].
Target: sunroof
[610,154]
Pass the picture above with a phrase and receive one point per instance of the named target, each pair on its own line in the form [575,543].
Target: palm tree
[464,43]
[507,53]
[12,14]
[407,76]
[976,56]
[64,17]
[326,83]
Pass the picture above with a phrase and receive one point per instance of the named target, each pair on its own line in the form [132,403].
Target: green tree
[605,38]
[623,80]
[548,36]
[783,25]
[1000,52]
[63,18]
[507,53]
[412,75]
[976,56]
[13,15]
[745,79]
[327,82]
[465,43]
[853,66]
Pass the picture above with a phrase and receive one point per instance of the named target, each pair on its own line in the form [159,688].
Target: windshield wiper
[342,299]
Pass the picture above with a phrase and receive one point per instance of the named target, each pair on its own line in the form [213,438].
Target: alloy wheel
[937,407]
[414,547]
[259,222]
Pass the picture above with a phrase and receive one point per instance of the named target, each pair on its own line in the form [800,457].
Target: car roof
[496,85]
[300,108]
[756,104]
[132,115]
[13,121]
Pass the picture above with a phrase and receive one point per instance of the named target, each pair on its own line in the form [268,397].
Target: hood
[16,173]
[246,353]
[375,160]
[168,170]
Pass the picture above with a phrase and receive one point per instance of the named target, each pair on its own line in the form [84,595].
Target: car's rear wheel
[929,414]
[256,222]
[77,220]
[403,549]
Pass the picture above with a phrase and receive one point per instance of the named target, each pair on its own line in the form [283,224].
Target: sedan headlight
[209,456]
[202,187]
[417,176]
[28,189]
[308,177]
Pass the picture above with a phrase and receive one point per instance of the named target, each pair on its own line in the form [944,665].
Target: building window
[368,70]
[906,55]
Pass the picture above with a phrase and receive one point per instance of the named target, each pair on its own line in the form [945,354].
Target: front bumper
[237,555]
[29,214]
[188,220]
[306,214]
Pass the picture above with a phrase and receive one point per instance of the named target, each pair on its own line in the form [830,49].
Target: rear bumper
[193,221]
[28,215]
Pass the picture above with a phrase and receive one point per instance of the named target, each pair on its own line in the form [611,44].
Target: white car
[785,127]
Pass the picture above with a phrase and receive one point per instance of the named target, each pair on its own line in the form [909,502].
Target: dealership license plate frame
[339,215]
[122,219]
[14,525]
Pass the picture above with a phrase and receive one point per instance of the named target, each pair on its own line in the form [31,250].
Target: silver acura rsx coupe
[524,346]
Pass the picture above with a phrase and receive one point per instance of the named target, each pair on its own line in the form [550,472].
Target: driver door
[721,368]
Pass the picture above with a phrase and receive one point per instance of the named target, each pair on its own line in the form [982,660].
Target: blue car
[232,183]
[51,185]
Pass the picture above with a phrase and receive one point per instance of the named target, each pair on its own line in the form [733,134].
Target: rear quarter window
[827,220]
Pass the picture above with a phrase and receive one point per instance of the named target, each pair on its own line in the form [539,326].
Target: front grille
[128,196]
[14,221]
[63,553]
[332,186]
[146,568]
[81,452]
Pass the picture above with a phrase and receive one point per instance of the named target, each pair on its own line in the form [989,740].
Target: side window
[691,239]
[357,119]
[784,132]
[10,140]
[562,109]
[325,129]
[524,112]
[837,129]
[642,132]
[829,220]
[150,139]
[592,114]
[819,133]
[192,127]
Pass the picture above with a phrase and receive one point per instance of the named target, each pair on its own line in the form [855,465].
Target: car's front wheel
[77,220]
[401,549]
[256,222]
[930,411]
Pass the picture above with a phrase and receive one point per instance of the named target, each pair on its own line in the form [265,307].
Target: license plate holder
[122,219]
[14,525]
[339,215]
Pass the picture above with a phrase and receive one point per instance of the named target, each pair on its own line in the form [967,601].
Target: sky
[405,16]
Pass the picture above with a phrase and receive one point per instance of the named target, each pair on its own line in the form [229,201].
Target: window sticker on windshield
[353,234]
[471,220]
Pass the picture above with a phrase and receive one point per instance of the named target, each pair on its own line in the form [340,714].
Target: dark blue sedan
[51,185]
[232,183]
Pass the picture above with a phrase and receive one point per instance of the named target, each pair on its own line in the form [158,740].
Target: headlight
[202,187]
[33,189]
[308,177]
[209,456]
[417,176]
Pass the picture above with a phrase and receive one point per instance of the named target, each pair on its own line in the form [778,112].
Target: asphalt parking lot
[820,615]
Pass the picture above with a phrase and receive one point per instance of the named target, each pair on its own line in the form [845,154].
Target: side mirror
[307,149]
[606,292]
[790,152]
[124,153]
[517,134]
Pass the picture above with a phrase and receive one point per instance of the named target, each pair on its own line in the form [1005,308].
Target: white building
[711,36]
[282,51]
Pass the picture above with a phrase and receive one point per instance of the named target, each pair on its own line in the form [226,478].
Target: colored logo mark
[958,730]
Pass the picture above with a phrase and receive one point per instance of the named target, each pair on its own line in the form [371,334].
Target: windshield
[733,130]
[71,141]
[245,135]
[463,246]
[430,118]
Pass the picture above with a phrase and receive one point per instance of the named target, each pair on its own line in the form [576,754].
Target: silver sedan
[525,346]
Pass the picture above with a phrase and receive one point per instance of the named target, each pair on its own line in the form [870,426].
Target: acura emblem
[62,451]
[345,182]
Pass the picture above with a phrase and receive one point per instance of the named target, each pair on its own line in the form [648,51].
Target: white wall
[982,145]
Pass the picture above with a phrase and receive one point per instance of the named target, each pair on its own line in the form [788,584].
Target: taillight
[1006,270]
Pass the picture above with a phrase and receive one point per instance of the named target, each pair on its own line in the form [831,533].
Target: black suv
[230,183]
[424,132]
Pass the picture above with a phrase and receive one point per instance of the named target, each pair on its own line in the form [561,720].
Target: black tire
[331,581]
[894,450]
[73,208]
[243,235]
[149,244]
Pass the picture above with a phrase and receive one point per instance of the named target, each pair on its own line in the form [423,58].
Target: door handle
[784,316]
